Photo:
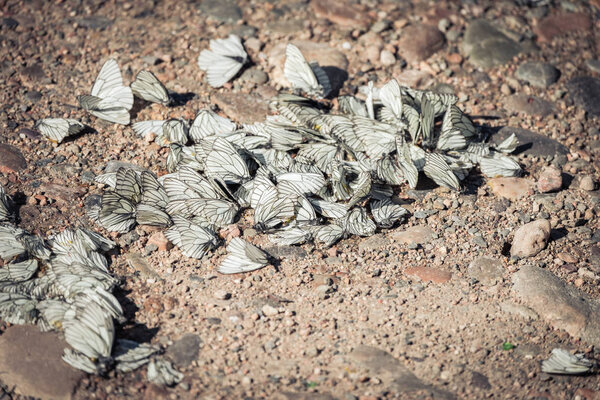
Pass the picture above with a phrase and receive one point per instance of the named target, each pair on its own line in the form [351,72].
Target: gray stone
[303,396]
[531,143]
[286,27]
[593,65]
[486,270]
[520,310]
[185,350]
[244,31]
[241,107]
[480,381]
[221,10]
[531,105]
[392,372]
[34,96]
[486,46]
[254,75]
[96,22]
[562,306]
[9,23]
[585,91]
[31,362]
[419,234]
[33,72]
[114,165]
[420,41]
[538,74]
[286,252]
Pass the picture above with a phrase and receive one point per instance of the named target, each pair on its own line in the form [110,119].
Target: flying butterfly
[309,78]
[146,86]
[109,100]
[223,61]
[57,129]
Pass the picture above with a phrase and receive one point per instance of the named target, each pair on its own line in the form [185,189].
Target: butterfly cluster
[308,173]
[63,283]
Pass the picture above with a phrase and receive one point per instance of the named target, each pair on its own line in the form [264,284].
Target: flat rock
[429,274]
[530,238]
[420,41]
[11,159]
[486,270]
[285,27]
[221,10]
[531,143]
[62,193]
[138,263]
[96,22]
[31,362]
[341,12]
[303,396]
[415,234]
[414,78]
[511,188]
[560,305]
[538,74]
[185,350]
[33,73]
[241,107]
[585,91]
[392,372]
[530,105]
[295,252]
[559,24]
[374,242]
[486,46]
[333,61]
[518,309]
[114,165]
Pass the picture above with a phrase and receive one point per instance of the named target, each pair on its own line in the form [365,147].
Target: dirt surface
[412,314]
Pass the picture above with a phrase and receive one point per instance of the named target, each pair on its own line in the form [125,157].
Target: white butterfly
[208,123]
[242,257]
[147,87]
[223,61]
[6,206]
[309,78]
[194,240]
[56,129]
[110,99]
[565,363]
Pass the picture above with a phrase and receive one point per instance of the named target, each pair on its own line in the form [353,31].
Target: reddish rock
[343,13]
[31,362]
[60,193]
[454,58]
[511,188]
[555,25]
[11,159]
[530,239]
[418,42]
[230,232]
[429,274]
[414,234]
[159,239]
[550,180]
[414,78]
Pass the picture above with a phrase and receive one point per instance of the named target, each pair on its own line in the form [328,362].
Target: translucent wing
[143,128]
[6,206]
[357,222]
[289,236]
[117,213]
[109,79]
[242,257]
[328,209]
[88,329]
[499,165]
[299,73]
[406,164]
[194,240]
[391,97]
[128,184]
[146,214]
[173,131]
[224,162]
[426,122]
[161,372]
[216,211]
[153,192]
[329,234]
[385,213]
[223,61]
[17,309]
[352,106]
[130,355]
[147,86]
[208,123]
[508,145]
[56,129]
[440,172]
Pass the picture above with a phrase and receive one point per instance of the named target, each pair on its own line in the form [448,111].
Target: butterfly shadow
[87,130]
[130,329]
[337,77]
